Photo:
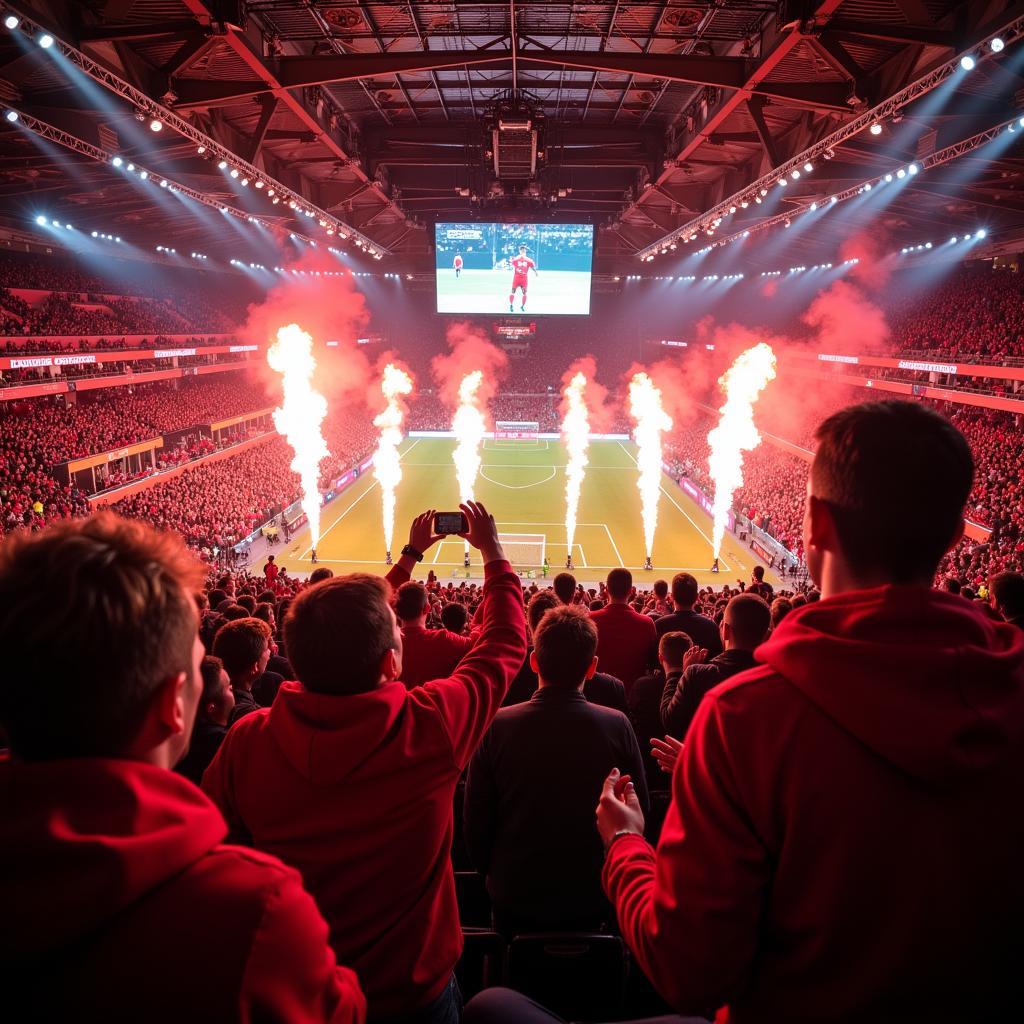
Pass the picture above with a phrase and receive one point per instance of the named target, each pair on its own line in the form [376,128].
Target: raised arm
[470,698]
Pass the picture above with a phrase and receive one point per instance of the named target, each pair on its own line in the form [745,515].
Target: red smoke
[470,350]
[872,251]
[600,412]
[845,321]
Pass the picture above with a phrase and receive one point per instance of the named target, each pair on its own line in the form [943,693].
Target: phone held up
[450,522]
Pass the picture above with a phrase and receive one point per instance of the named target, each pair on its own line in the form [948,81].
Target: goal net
[516,430]
[524,550]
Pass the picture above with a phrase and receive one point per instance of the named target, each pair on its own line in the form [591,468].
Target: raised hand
[618,810]
[666,752]
[421,533]
[483,531]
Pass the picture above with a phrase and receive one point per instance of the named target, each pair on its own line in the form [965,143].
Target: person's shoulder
[239,874]
[755,686]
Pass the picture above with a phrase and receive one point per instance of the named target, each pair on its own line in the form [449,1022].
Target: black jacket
[699,628]
[206,740]
[529,810]
[602,689]
[679,703]
[645,714]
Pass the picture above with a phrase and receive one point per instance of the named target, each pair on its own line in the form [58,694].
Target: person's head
[1007,593]
[320,574]
[781,607]
[234,611]
[218,699]
[215,598]
[620,584]
[885,497]
[265,611]
[951,585]
[661,589]
[227,584]
[746,622]
[565,587]
[270,558]
[342,636]
[412,604]
[248,602]
[564,646]
[758,573]
[454,617]
[596,605]
[671,648]
[266,597]
[100,640]
[244,648]
[540,604]
[522,250]
[684,591]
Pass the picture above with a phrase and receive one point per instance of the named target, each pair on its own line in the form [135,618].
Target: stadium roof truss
[370,114]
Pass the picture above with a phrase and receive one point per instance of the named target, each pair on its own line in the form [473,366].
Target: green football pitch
[522,483]
[487,291]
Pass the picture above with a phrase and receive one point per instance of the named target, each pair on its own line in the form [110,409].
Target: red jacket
[120,903]
[356,792]
[627,643]
[430,654]
[845,837]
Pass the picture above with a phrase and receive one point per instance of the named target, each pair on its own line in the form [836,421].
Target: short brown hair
[95,616]
[895,476]
[564,642]
[540,604]
[684,589]
[620,583]
[411,601]
[749,618]
[337,632]
[672,646]
[239,644]
[565,586]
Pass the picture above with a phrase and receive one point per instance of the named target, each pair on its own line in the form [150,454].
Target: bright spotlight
[117,161]
[95,234]
[901,173]
[808,167]
[234,172]
[1020,123]
[259,183]
[163,183]
[11,21]
[143,175]
[12,116]
[967,62]
[131,167]
[875,129]
[200,150]
[41,220]
[795,175]
[912,169]
[222,165]
[46,40]
[156,125]
[980,233]
[997,45]
[244,182]
[888,177]
[927,245]
[953,240]
[783,183]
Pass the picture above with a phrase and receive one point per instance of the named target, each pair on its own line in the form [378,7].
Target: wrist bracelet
[618,835]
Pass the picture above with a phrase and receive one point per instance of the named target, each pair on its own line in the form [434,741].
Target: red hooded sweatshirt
[845,840]
[356,792]
[120,903]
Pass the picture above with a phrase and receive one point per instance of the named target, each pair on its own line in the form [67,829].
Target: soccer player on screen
[521,267]
[457,264]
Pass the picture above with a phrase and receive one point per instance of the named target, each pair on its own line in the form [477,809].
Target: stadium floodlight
[927,245]
[156,125]
[117,238]
[222,165]
[259,183]
[888,177]
[814,206]
[952,241]
[41,220]
[131,167]
[270,193]
[11,22]
[117,161]
[11,115]
[1020,123]
[876,129]
[834,200]
[967,62]
[95,234]
[867,186]
[996,45]
[46,40]
[808,167]
[163,183]
[980,233]
[234,172]
[901,173]
[912,169]
[795,175]
[143,175]
[244,182]
[782,183]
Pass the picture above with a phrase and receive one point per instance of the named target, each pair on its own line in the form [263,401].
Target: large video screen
[523,269]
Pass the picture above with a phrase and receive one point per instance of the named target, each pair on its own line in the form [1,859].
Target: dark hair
[264,611]
[596,605]
[780,608]
[539,605]
[952,585]
[215,597]
[321,574]
[895,476]
[210,669]
[749,619]
[270,558]
[620,583]
[234,611]
[564,642]
[758,573]
[1008,590]
[95,616]
[411,602]
[248,602]
[672,646]
[338,631]
[240,644]
[684,589]
[266,597]
[565,587]
[454,616]
[661,588]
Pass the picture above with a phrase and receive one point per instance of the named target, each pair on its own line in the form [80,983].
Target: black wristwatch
[412,552]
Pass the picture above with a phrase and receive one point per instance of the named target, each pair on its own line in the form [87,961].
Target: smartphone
[450,522]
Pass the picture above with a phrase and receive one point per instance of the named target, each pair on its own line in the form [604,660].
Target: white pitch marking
[519,487]
[614,545]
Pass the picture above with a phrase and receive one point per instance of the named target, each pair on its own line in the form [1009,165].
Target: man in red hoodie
[350,777]
[426,653]
[120,901]
[845,838]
